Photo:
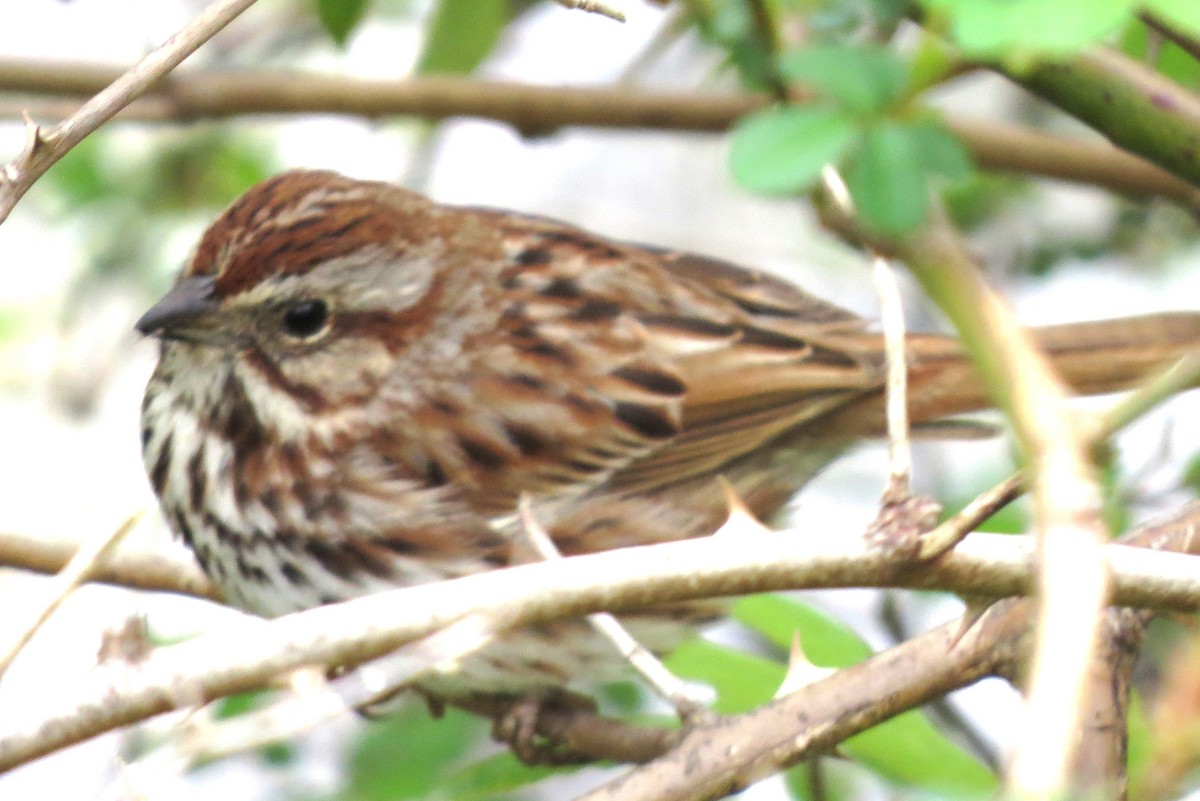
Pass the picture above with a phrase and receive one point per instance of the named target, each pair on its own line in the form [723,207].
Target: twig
[891,315]
[1073,578]
[357,631]
[1101,759]
[85,561]
[592,7]
[967,519]
[1182,375]
[661,680]
[148,571]
[197,94]
[715,761]
[1187,43]
[43,150]
[718,760]
[1133,105]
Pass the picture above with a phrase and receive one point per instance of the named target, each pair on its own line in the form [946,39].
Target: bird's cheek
[345,372]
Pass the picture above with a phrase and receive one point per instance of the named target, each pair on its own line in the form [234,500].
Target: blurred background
[103,233]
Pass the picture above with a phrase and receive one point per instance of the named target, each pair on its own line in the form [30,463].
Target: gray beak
[186,312]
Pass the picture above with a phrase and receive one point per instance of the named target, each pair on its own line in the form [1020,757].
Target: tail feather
[1092,358]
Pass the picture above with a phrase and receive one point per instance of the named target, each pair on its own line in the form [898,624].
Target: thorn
[34,141]
[739,519]
[975,611]
[801,672]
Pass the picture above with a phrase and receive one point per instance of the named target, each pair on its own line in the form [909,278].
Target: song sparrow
[356,384]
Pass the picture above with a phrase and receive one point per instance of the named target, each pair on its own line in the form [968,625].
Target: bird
[356,386]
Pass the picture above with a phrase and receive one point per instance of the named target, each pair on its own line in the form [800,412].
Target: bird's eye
[305,318]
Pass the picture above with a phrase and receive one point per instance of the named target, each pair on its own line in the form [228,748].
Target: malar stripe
[312,400]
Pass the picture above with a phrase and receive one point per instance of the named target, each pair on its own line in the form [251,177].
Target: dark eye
[305,318]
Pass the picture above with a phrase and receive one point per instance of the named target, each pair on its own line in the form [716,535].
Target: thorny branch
[254,654]
[43,149]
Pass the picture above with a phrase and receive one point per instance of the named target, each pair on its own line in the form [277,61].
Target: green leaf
[1191,474]
[863,79]
[826,642]
[409,754]
[1167,57]
[782,150]
[909,750]
[1183,13]
[339,18]
[80,176]
[460,35]
[1141,740]
[1000,27]
[496,775]
[837,781]
[887,179]
[939,151]
[742,681]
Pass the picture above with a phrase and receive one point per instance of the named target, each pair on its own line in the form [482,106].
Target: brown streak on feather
[646,420]
[689,325]
[652,380]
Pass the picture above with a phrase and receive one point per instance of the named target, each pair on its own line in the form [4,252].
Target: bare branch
[717,760]
[892,319]
[197,94]
[593,7]
[249,656]
[146,571]
[43,149]
[648,666]
[83,563]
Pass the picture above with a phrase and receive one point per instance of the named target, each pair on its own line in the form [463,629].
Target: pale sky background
[76,479]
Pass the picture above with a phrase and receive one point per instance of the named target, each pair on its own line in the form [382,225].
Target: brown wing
[634,367]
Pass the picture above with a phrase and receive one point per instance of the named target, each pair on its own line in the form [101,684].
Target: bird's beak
[187,312]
